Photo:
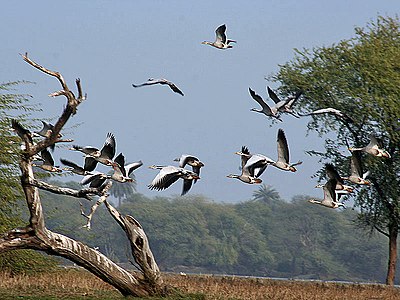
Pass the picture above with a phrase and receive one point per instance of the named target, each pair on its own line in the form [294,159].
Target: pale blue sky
[111,44]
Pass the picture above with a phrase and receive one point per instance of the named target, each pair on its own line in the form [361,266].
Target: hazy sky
[112,44]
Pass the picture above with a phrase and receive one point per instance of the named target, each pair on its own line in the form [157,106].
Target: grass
[80,284]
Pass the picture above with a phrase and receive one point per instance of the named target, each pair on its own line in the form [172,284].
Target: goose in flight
[170,174]
[287,107]
[73,167]
[375,147]
[46,130]
[357,176]
[48,162]
[193,161]
[95,180]
[330,197]
[246,176]
[162,81]
[332,173]
[94,155]
[21,131]
[283,154]
[221,42]
[265,108]
[332,111]
[122,170]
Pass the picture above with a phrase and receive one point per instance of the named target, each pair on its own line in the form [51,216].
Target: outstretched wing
[220,36]
[260,101]
[283,148]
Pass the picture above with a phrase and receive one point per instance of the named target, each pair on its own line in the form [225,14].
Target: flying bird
[288,102]
[283,154]
[332,173]
[94,155]
[332,111]
[193,161]
[375,147]
[170,174]
[73,167]
[122,170]
[357,176]
[48,162]
[330,197]
[246,175]
[265,108]
[95,180]
[21,131]
[46,130]
[221,42]
[162,81]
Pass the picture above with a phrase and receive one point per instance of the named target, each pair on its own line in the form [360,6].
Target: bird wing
[46,127]
[273,96]
[167,176]
[90,163]
[108,150]
[48,159]
[187,184]
[329,190]
[355,163]
[150,81]
[174,88]
[260,101]
[120,160]
[21,131]
[71,164]
[376,142]
[293,99]
[129,168]
[283,148]
[220,36]
[332,173]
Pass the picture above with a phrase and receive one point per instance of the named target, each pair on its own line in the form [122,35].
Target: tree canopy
[361,78]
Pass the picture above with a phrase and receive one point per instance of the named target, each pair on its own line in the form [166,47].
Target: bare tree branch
[140,247]
[36,236]
[104,195]
[83,193]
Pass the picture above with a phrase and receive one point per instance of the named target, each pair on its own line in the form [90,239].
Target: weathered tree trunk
[36,236]
[393,232]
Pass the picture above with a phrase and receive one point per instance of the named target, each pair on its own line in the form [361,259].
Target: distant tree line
[265,236]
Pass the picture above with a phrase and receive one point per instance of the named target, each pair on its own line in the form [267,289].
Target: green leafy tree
[361,78]
[13,105]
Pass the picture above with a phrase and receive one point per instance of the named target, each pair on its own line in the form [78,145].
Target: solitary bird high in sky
[162,81]
[221,42]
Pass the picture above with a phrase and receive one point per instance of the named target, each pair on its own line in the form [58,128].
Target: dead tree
[36,236]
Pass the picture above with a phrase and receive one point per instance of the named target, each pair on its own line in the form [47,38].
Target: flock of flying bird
[252,165]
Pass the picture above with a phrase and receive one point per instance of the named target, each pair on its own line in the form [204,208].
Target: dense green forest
[264,236]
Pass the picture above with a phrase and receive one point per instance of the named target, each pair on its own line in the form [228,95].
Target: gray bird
[330,197]
[356,172]
[221,42]
[193,161]
[289,101]
[265,108]
[122,170]
[162,81]
[170,174]
[375,147]
[283,154]
[247,175]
